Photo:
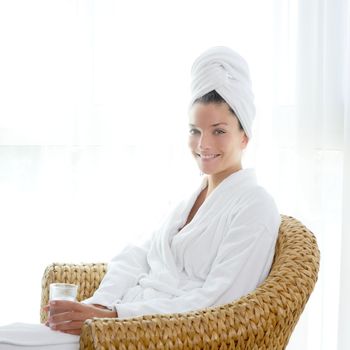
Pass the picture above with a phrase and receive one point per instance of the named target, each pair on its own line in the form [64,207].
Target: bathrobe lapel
[174,251]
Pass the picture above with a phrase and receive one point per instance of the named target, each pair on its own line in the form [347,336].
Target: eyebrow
[213,125]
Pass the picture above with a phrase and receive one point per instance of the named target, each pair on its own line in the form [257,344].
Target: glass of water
[62,291]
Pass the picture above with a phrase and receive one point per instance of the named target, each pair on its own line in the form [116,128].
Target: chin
[207,171]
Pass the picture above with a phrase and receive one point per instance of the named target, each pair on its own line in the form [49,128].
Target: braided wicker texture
[263,319]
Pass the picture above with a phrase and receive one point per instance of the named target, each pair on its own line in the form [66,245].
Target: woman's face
[215,140]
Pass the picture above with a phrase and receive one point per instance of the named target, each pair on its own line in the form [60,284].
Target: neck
[215,179]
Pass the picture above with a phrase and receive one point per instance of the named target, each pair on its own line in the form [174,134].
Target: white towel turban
[223,70]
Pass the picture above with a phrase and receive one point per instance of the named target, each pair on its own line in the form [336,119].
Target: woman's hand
[69,316]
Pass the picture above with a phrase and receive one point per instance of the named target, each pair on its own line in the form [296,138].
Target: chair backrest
[266,317]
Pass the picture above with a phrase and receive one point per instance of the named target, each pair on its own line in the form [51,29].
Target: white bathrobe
[223,253]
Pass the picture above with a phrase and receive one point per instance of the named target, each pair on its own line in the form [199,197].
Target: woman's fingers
[67,305]
[66,326]
[63,306]
[64,317]
[81,314]
[70,316]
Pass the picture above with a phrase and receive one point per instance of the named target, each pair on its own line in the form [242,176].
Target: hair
[214,97]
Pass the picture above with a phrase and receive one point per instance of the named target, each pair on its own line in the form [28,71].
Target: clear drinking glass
[62,291]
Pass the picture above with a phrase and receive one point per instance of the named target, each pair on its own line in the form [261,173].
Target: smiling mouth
[207,156]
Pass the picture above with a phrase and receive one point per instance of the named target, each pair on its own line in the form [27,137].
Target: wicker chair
[263,319]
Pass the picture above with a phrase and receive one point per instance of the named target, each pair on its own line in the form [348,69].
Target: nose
[204,142]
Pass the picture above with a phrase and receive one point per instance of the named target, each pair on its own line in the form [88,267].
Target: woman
[216,245]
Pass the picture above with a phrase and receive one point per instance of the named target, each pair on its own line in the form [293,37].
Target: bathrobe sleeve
[123,272]
[242,262]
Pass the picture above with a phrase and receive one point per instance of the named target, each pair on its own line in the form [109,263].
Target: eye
[219,132]
[193,131]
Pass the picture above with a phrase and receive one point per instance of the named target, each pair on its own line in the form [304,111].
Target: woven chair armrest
[87,276]
[207,328]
